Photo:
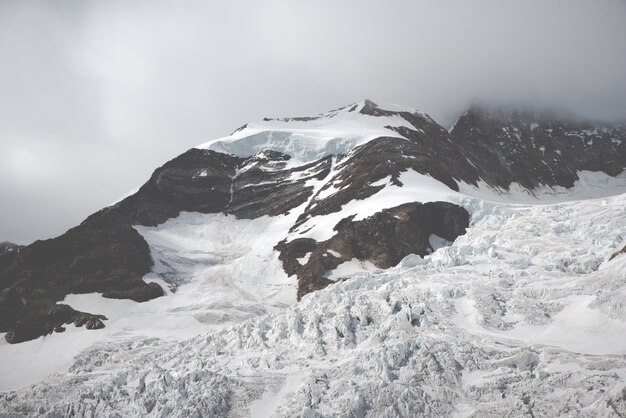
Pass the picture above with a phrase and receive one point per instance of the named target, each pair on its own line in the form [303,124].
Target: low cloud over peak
[97,94]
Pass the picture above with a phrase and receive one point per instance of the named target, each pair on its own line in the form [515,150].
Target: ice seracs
[521,309]
[308,139]
[537,329]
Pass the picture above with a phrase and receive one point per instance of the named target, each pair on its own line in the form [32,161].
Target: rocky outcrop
[196,181]
[105,254]
[357,173]
[32,314]
[264,186]
[537,149]
[8,251]
[102,254]
[618,253]
[9,248]
[384,239]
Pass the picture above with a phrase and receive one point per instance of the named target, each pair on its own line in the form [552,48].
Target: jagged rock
[48,318]
[617,253]
[263,186]
[102,254]
[426,150]
[195,181]
[89,321]
[384,239]
[533,149]
[9,247]
[94,323]
[8,251]
[138,294]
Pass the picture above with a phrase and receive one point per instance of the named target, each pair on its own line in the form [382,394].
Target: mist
[95,95]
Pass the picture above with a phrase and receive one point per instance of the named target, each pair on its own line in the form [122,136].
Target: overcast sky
[96,94]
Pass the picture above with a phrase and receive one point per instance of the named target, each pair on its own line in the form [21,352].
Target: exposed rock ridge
[618,253]
[8,251]
[535,150]
[106,254]
[383,239]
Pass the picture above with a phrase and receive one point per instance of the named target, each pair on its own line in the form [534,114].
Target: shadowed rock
[537,149]
[105,254]
[618,253]
[384,239]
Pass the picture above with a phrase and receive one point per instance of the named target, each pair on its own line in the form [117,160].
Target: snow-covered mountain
[362,262]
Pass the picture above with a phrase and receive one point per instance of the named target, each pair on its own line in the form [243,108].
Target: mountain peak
[376,196]
[309,138]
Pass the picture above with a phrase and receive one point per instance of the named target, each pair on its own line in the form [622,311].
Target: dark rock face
[618,253]
[8,251]
[105,254]
[386,157]
[263,186]
[384,239]
[531,149]
[30,314]
[196,181]
[9,248]
[100,255]
[427,150]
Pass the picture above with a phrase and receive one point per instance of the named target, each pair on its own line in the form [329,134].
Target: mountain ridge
[270,168]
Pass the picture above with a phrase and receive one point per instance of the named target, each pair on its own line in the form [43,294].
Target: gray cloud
[95,95]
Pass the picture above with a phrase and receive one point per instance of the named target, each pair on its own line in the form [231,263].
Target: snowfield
[522,316]
[308,140]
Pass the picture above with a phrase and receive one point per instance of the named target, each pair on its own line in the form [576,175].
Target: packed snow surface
[522,315]
[309,139]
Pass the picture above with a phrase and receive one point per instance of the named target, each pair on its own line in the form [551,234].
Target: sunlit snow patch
[349,268]
[309,140]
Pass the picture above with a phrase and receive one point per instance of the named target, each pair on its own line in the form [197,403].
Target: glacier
[524,315]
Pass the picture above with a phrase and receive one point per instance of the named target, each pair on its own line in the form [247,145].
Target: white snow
[129,194]
[333,253]
[416,188]
[524,304]
[438,242]
[305,259]
[336,133]
[590,185]
[220,257]
[225,274]
[350,268]
[267,405]
[461,332]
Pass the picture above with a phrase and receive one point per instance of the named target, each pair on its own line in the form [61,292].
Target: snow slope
[522,315]
[309,139]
